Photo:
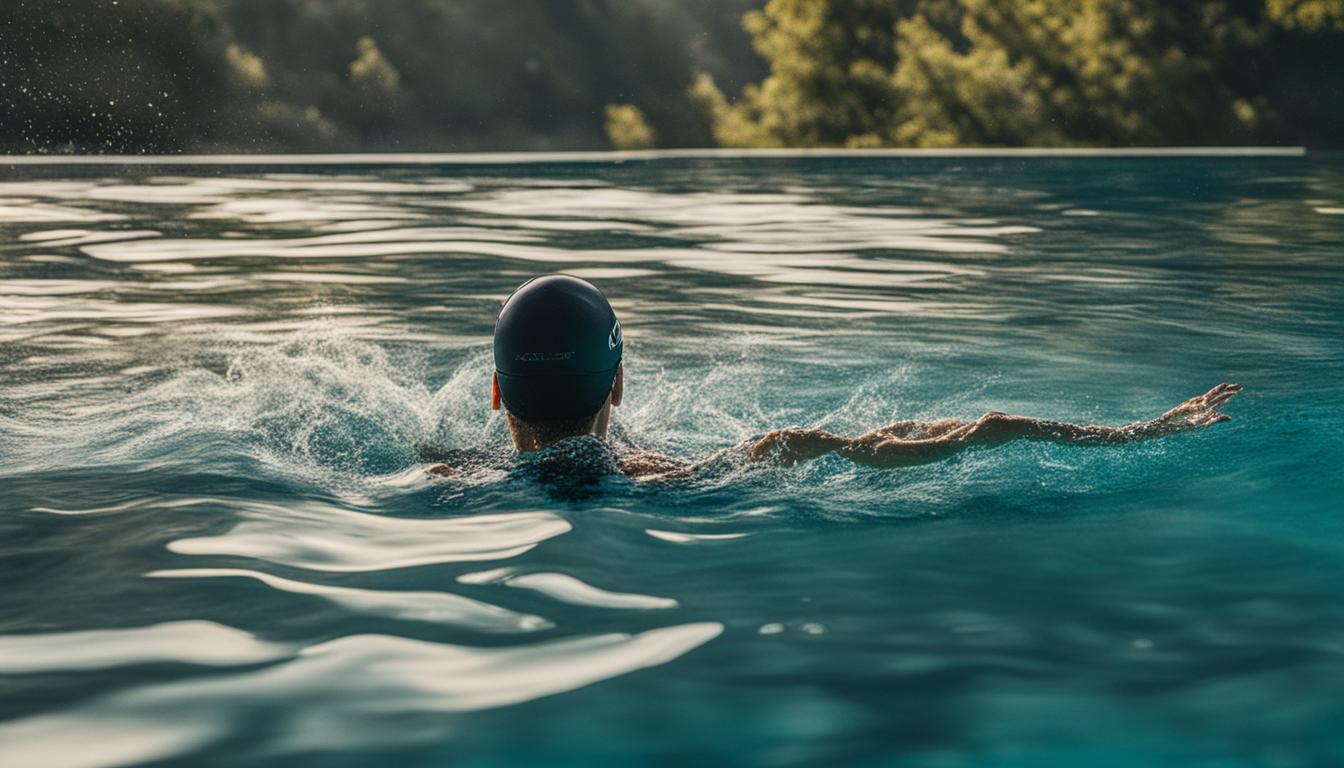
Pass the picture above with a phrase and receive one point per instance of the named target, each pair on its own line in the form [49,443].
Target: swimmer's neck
[528,446]
[531,436]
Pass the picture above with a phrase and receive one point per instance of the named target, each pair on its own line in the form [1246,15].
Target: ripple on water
[567,589]
[276,346]
[33,212]
[324,537]
[183,642]
[345,245]
[677,537]
[438,607]
[785,238]
[59,238]
[353,692]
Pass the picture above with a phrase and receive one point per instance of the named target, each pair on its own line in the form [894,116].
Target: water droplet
[813,629]
[770,629]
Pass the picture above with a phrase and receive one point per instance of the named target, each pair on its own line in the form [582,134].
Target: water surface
[219,547]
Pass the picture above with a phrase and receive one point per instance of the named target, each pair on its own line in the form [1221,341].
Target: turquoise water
[218,545]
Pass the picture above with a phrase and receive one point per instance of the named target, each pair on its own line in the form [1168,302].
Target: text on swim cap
[541,357]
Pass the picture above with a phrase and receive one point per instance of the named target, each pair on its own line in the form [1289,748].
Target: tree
[355,75]
[830,66]
[1036,72]
[627,128]
[1062,72]
[1307,15]
[370,72]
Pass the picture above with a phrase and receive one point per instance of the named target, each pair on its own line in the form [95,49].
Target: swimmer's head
[558,349]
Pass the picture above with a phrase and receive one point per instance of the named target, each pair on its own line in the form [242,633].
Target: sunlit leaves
[1030,72]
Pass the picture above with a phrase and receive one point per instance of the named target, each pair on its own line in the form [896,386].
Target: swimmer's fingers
[1193,408]
[1217,396]
[1221,394]
[1207,412]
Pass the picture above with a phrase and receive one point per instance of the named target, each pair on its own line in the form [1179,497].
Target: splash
[318,405]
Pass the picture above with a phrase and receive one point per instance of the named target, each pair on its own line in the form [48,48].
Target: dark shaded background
[454,75]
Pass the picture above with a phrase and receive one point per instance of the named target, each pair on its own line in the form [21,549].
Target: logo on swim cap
[614,338]
[538,357]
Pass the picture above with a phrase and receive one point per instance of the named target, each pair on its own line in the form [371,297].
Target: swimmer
[558,375]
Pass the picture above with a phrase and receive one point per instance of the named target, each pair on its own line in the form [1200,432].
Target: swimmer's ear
[618,386]
[495,398]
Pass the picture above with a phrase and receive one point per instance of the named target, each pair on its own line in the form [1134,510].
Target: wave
[324,698]
[322,410]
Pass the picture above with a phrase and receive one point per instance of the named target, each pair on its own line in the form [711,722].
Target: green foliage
[1308,15]
[731,125]
[345,75]
[829,80]
[627,128]
[864,73]
[245,68]
[1060,72]
[369,75]
[375,104]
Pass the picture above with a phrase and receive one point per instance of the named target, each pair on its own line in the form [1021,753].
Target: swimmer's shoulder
[448,462]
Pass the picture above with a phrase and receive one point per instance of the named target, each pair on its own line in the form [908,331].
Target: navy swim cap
[557,345]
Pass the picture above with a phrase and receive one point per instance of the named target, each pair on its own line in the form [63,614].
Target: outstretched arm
[908,443]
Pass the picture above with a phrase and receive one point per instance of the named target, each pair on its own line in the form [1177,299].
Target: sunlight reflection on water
[218,391]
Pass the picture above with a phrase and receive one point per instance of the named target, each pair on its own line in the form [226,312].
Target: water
[218,545]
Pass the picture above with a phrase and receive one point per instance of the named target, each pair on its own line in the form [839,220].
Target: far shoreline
[619,156]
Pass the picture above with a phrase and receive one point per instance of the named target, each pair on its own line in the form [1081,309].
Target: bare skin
[908,443]
[526,439]
[900,444]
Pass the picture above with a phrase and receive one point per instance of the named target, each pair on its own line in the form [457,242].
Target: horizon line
[586,156]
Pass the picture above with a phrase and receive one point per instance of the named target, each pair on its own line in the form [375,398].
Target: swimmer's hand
[1199,411]
[441,470]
